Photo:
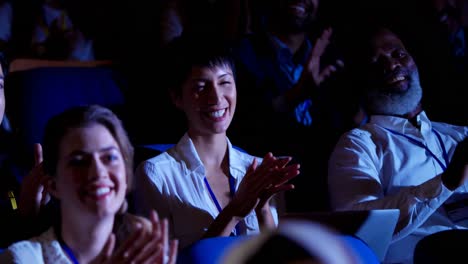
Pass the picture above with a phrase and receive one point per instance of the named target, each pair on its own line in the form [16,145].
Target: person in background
[69,30]
[400,158]
[9,185]
[20,196]
[284,73]
[205,185]
[88,161]
[183,16]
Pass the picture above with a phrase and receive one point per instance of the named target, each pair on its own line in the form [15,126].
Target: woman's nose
[214,94]
[97,169]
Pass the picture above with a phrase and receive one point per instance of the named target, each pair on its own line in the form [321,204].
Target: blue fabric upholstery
[211,250]
[33,96]
[208,250]
[361,249]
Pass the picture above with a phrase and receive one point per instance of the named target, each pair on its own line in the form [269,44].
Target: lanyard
[420,144]
[232,191]
[68,250]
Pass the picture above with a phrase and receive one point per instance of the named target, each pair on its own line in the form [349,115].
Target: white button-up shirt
[173,184]
[376,167]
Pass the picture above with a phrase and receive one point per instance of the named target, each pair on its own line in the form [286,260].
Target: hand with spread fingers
[142,246]
[261,182]
[282,176]
[33,194]
[313,66]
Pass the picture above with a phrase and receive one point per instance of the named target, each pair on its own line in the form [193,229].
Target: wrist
[262,210]
[231,212]
[447,182]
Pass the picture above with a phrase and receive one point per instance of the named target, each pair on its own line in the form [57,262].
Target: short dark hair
[83,116]
[189,50]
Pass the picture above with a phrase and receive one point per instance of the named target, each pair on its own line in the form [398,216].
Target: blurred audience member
[283,92]
[294,241]
[229,19]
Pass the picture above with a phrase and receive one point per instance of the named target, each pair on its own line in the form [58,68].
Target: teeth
[218,113]
[102,191]
[397,79]
[299,8]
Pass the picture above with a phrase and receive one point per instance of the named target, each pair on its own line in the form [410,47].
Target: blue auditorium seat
[214,250]
[208,250]
[35,95]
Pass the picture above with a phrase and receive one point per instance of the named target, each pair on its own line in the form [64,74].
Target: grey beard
[396,103]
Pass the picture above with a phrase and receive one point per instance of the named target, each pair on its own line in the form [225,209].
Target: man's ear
[51,186]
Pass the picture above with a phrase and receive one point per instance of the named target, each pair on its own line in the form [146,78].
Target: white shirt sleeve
[355,183]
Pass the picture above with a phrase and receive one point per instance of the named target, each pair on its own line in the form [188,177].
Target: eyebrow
[81,152]
[393,46]
[226,74]
[219,76]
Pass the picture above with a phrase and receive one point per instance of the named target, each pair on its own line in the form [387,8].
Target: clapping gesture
[314,74]
[33,194]
[261,182]
[142,246]
[313,68]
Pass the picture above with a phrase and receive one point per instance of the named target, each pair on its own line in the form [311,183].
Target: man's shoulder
[253,44]
[359,132]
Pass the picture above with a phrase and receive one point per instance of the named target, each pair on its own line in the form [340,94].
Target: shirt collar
[51,14]
[188,153]
[278,44]
[282,48]
[236,160]
[401,124]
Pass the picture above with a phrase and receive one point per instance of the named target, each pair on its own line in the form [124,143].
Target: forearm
[416,204]
[224,223]
[301,91]
[265,218]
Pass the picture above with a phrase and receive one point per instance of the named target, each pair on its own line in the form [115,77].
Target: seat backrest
[29,64]
[35,95]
